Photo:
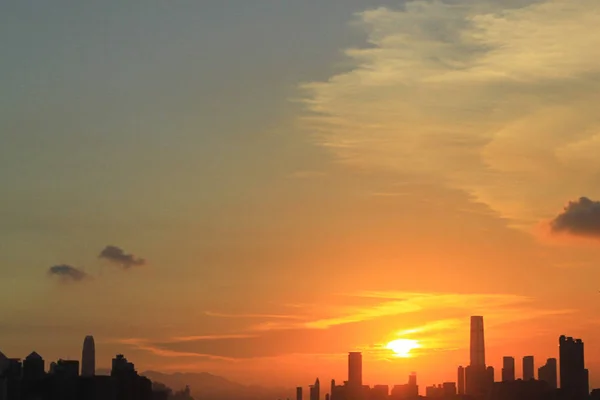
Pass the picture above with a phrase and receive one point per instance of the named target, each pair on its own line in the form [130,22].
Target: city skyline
[566,380]
[255,188]
[478,381]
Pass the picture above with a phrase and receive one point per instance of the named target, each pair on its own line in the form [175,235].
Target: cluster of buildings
[477,380]
[27,379]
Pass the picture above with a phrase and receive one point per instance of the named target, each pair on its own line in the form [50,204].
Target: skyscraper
[478,379]
[508,369]
[299,393]
[574,379]
[461,380]
[88,357]
[412,379]
[477,342]
[315,390]
[355,369]
[528,373]
[548,373]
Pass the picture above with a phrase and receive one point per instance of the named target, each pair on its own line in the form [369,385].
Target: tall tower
[508,369]
[461,380]
[574,378]
[528,368]
[88,357]
[355,369]
[478,378]
[315,390]
[477,342]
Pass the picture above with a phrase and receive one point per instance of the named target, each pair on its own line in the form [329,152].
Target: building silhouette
[315,390]
[88,357]
[523,390]
[574,379]
[548,373]
[409,390]
[33,367]
[477,345]
[508,369]
[528,368]
[299,393]
[68,369]
[461,380]
[478,377]
[355,369]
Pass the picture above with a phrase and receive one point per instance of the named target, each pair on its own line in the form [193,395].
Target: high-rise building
[477,348]
[528,368]
[548,373]
[508,369]
[315,390]
[574,378]
[299,393]
[355,369]
[478,378]
[33,367]
[412,379]
[461,380]
[88,357]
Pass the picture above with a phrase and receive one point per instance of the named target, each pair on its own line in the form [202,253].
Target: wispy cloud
[497,306]
[250,316]
[194,338]
[148,346]
[497,101]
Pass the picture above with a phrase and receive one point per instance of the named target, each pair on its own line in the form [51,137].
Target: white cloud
[498,102]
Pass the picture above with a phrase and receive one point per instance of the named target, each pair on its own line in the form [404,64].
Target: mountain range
[205,386]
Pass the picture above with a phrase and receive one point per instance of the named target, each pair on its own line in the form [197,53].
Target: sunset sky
[253,188]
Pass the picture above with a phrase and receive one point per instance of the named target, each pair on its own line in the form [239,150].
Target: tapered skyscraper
[478,378]
[88,357]
[477,342]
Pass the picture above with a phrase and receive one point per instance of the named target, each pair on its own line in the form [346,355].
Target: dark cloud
[117,256]
[67,273]
[581,217]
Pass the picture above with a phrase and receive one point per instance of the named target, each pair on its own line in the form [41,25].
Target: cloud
[580,218]
[494,100]
[68,273]
[392,303]
[251,316]
[145,345]
[117,256]
[194,338]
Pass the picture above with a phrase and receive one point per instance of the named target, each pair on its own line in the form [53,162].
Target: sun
[403,347]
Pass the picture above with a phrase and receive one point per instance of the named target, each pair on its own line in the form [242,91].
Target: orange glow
[403,347]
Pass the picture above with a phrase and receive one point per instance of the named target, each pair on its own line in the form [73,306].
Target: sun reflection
[403,347]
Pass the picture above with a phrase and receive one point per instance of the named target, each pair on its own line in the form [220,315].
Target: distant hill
[205,386]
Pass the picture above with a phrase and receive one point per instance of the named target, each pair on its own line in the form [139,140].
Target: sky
[255,188]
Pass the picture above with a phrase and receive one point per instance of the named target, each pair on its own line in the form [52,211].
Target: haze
[256,188]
